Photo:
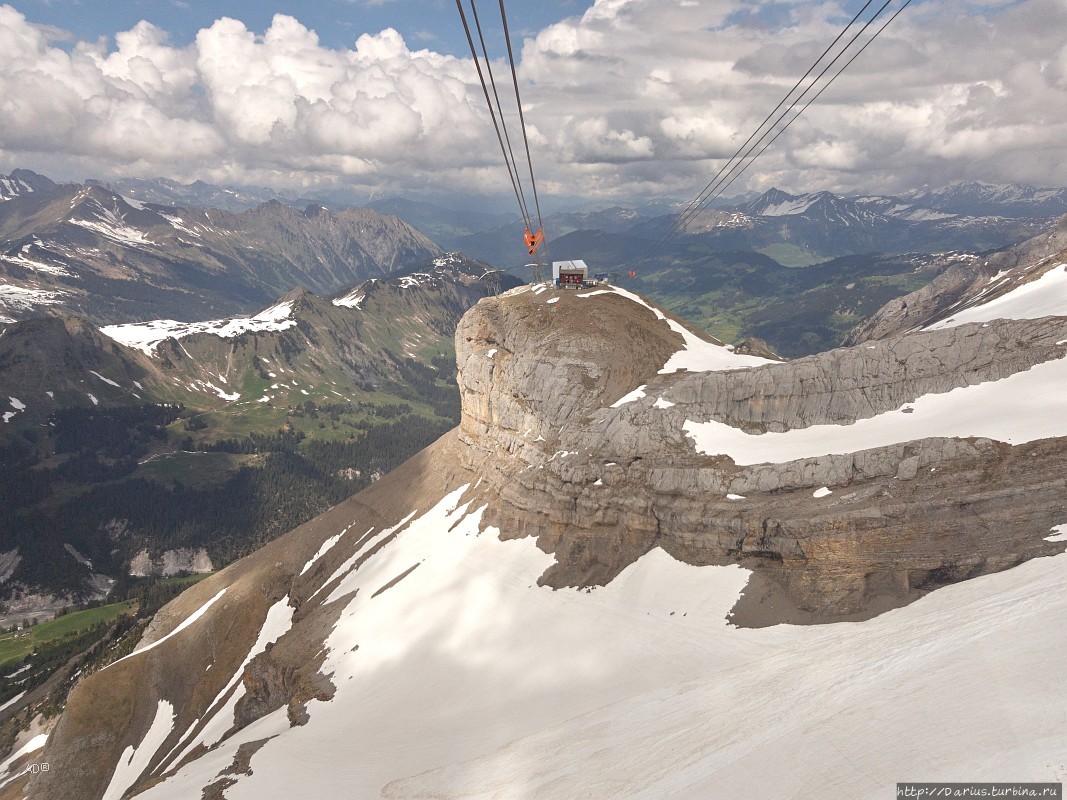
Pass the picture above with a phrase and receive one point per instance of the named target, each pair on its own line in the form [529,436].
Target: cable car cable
[718,183]
[816,97]
[781,102]
[729,169]
[492,113]
[500,108]
[522,119]
[785,113]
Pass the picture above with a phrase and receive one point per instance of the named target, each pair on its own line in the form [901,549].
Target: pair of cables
[795,102]
[496,110]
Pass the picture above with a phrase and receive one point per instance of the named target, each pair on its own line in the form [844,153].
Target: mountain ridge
[93,252]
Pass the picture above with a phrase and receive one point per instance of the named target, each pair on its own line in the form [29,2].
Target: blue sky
[625,100]
[429,23]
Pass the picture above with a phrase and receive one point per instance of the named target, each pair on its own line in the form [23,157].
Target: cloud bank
[635,98]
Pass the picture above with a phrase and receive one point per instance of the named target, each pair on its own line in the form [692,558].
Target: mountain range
[802,229]
[643,564]
[86,250]
[106,255]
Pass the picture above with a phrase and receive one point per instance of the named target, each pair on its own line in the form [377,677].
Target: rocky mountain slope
[149,439]
[1022,279]
[538,604]
[88,251]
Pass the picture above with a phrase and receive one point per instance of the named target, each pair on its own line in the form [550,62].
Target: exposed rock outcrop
[601,485]
[171,562]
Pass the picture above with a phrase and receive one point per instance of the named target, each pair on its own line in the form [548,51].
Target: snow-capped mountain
[957,201]
[802,229]
[848,211]
[975,198]
[579,591]
[22,182]
[90,251]
[166,192]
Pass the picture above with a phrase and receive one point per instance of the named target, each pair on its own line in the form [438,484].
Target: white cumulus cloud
[631,98]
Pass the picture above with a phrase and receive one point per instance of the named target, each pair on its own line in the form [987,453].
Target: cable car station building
[569,274]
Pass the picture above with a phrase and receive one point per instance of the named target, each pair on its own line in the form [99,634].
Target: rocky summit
[580,591]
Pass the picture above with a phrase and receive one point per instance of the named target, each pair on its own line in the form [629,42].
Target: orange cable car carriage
[534,240]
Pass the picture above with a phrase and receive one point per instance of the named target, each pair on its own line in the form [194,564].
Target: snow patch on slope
[326,547]
[24,259]
[351,300]
[16,404]
[697,355]
[32,746]
[146,336]
[135,759]
[108,381]
[1044,297]
[789,207]
[189,621]
[636,394]
[21,298]
[111,225]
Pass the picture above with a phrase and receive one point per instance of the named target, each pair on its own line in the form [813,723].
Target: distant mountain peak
[22,182]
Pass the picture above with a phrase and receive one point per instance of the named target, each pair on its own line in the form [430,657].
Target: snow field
[1044,297]
[146,336]
[466,679]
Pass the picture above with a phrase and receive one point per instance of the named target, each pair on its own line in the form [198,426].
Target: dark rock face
[600,486]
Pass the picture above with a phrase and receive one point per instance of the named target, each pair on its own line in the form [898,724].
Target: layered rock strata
[600,483]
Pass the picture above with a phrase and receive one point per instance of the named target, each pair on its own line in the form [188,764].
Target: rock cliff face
[172,562]
[601,483]
[406,622]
